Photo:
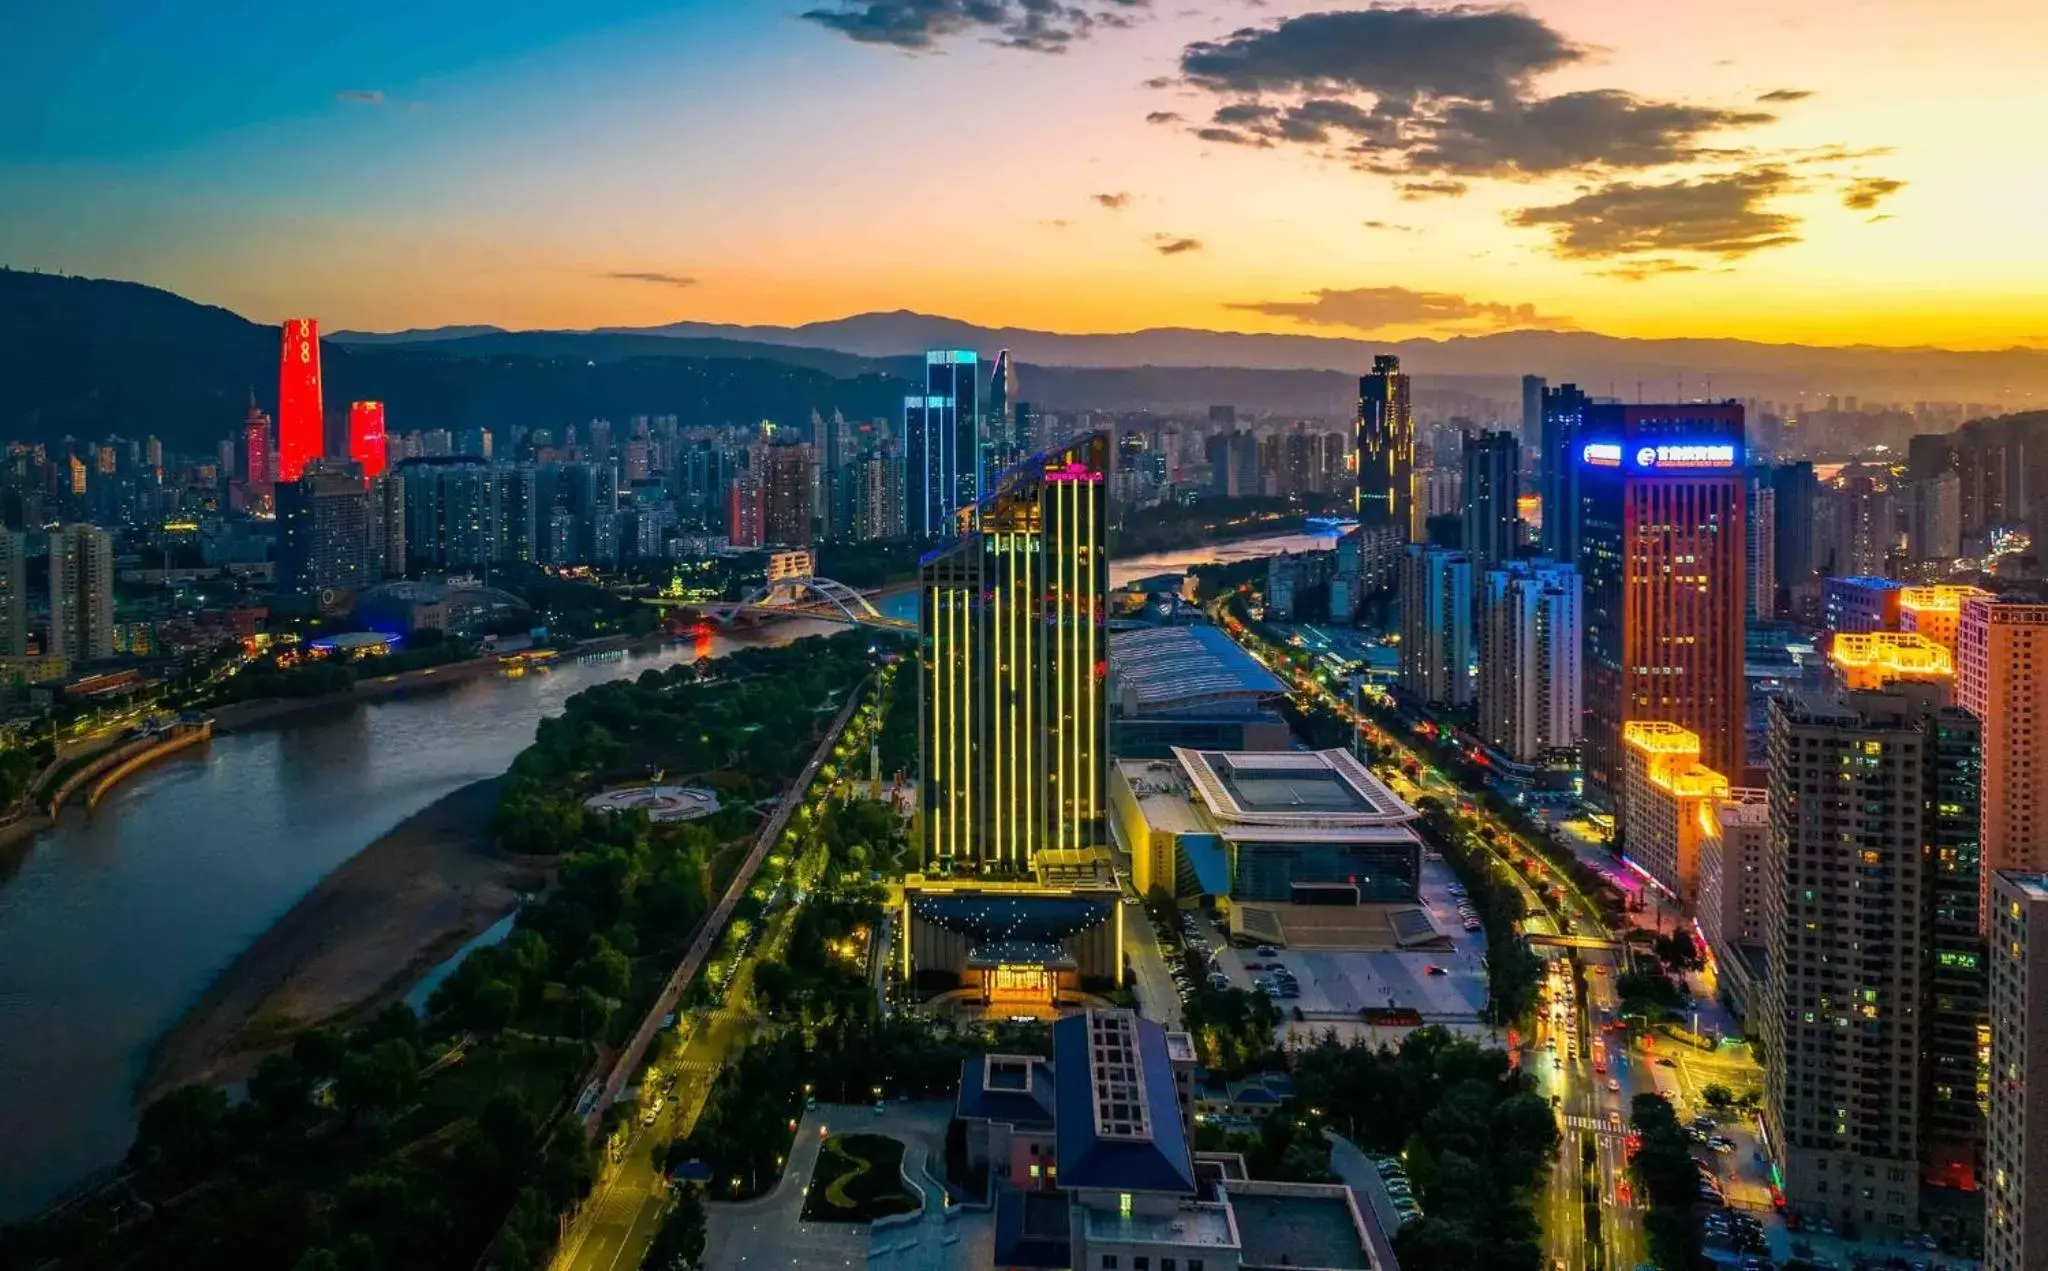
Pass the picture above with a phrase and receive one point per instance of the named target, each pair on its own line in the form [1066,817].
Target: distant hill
[87,357]
[415,335]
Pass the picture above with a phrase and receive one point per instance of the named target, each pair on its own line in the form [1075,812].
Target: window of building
[1108,1262]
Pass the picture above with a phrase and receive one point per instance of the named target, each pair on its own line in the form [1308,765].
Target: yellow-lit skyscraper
[1012,708]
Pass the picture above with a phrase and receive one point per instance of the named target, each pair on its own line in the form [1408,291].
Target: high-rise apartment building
[943,442]
[1798,492]
[2016,1131]
[301,425]
[1234,465]
[1529,668]
[387,526]
[366,438]
[1933,508]
[1871,1007]
[786,485]
[324,531]
[1493,487]
[81,593]
[746,511]
[13,594]
[1012,708]
[1759,545]
[1731,897]
[1386,445]
[1436,625]
[1557,468]
[1662,553]
[1532,415]
[2002,679]
[258,463]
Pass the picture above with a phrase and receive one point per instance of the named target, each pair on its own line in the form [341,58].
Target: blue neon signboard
[1684,455]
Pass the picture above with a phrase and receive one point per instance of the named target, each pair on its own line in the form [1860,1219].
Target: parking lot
[1444,984]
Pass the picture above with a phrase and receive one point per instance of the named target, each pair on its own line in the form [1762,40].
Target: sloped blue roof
[1087,1160]
[1205,856]
[1033,1109]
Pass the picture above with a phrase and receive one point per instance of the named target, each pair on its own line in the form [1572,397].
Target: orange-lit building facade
[1662,552]
[1935,612]
[1670,804]
[1876,659]
[366,437]
[2002,679]
[301,434]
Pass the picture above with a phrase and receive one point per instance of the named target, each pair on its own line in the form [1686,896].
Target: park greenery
[1470,1128]
[1665,1168]
[287,673]
[1512,971]
[449,1141]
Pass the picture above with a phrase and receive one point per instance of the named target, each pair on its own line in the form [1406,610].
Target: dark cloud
[1414,92]
[1173,245]
[1163,117]
[1643,270]
[1875,219]
[1461,52]
[1781,95]
[1039,26]
[1566,133]
[1720,216]
[361,96]
[1414,190]
[1114,202]
[1057,223]
[1230,137]
[1389,225]
[648,275]
[1378,308]
[1865,193]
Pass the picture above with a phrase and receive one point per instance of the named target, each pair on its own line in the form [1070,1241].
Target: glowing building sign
[1662,456]
[1606,454]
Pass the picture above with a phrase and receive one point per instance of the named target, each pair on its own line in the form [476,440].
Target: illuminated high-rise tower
[257,466]
[1386,446]
[366,437]
[943,441]
[1662,553]
[301,432]
[1012,708]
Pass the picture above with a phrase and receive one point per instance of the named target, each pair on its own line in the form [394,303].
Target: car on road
[1267,951]
[1437,970]
[1613,1086]
[1721,1143]
[881,1107]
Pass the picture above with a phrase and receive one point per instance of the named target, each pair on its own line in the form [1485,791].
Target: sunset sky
[1861,171]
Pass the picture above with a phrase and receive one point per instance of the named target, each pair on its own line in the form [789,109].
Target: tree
[679,1245]
[182,1133]
[377,1081]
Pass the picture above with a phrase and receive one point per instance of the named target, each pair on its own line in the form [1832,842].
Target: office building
[1935,612]
[450,511]
[1661,553]
[746,511]
[301,425]
[786,495]
[324,531]
[1797,491]
[943,442]
[13,594]
[2016,1131]
[1668,804]
[1860,603]
[1557,468]
[258,463]
[1012,708]
[366,437]
[2002,679]
[81,594]
[1436,626]
[1529,660]
[1386,445]
[1875,986]
[1234,465]
[1493,487]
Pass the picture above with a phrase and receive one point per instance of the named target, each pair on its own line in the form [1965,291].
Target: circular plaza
[660,803]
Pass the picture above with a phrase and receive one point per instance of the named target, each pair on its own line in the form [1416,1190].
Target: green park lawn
[858,1178]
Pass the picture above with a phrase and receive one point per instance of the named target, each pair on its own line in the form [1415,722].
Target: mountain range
[89,357]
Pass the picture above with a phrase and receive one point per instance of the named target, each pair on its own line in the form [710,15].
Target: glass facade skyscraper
[1012,705]
[943,441]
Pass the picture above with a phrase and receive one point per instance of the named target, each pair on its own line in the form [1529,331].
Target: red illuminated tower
[366,437]
[300,432]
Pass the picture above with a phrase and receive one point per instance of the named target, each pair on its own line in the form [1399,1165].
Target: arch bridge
[806,597]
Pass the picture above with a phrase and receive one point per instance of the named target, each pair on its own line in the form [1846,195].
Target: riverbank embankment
[358,940]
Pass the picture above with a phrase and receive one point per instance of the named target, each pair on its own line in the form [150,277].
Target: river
[113,924]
